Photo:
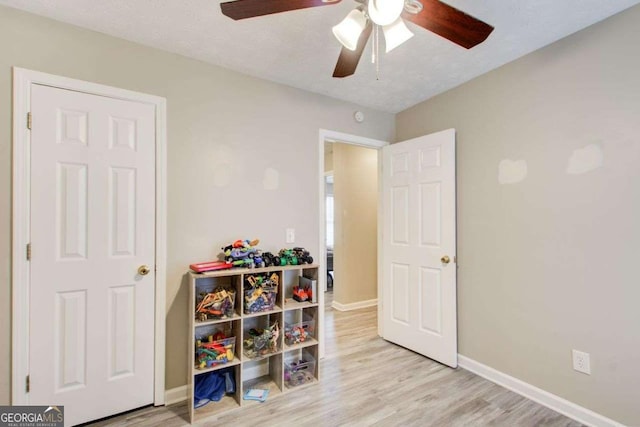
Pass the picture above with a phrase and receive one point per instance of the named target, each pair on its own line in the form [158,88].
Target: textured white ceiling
[298,49]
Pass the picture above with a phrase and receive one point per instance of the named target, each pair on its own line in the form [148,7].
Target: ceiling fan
[390,15]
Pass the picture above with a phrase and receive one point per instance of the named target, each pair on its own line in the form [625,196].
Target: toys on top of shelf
[243,253]
[303,255]
[201,267]
[295,256]
[270,259]
[218,304]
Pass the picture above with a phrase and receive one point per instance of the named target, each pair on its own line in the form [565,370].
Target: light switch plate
[581,362]
[291,235]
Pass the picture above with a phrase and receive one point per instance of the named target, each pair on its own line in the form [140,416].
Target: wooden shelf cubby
[268,370]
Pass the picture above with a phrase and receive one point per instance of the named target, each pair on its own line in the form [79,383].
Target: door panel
[430,300]
[121,324]
[400,293]
[92,225]
[400,215]
[122,224]
[429,214]
[70,340]
[418,222]
[72,210]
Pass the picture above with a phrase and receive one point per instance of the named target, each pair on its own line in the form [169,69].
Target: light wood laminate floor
[366,381]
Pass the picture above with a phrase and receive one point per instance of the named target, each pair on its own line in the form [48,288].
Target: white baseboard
[354,305]
[175,395]
[557,403]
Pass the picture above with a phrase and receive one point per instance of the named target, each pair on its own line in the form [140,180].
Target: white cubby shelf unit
[290,363]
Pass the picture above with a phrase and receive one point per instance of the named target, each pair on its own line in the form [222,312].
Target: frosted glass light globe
[384,12]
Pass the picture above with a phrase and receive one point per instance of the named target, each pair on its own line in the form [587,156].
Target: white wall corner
[544,398]
[354,305]
[175,395]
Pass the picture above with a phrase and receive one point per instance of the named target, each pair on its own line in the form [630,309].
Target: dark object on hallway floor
[330,268]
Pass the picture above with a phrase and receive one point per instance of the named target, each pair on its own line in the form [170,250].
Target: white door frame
[345,138]
[23,80]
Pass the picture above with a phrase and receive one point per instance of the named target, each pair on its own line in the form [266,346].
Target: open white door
[91,337]
[419,246]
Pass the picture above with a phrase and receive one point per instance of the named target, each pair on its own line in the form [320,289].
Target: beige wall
[224,130]
[549,264]
[355,193]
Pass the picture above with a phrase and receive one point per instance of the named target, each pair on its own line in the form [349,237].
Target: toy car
[295,256]
[303,255]
[287,257]
[270,259]
[242,253]
[235,254]
[247,263]
[301,294]
[258,259]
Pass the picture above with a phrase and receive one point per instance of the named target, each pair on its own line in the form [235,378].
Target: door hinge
[27,383]
[29,120]
[28,251]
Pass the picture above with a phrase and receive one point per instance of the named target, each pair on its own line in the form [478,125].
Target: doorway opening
[329,218]
[351,208]
[328,138]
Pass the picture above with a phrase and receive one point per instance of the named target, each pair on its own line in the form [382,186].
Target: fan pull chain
[375,57]
[373,46]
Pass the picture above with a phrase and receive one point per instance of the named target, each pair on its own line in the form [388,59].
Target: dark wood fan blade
[450,23]
[348,59]
[242,9]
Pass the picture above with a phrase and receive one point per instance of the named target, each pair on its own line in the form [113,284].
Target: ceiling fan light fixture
[349,29]
[395,34]
[384,12]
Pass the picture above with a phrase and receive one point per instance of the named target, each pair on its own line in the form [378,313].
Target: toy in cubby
[296,378]
[299,370]
[217,349]
[212,386]
[262,341]
[302,293]
[298,333]
[260,292]
[218,304]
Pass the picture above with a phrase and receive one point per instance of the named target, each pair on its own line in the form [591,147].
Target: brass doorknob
[143,270]
[445,259]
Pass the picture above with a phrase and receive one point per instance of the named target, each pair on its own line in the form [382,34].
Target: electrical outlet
[291,235]
[581,362]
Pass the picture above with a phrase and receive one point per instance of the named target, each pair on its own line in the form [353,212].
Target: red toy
[301,294]
[210,266]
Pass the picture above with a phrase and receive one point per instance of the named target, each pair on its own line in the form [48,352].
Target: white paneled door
[419,246]
[91,331]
